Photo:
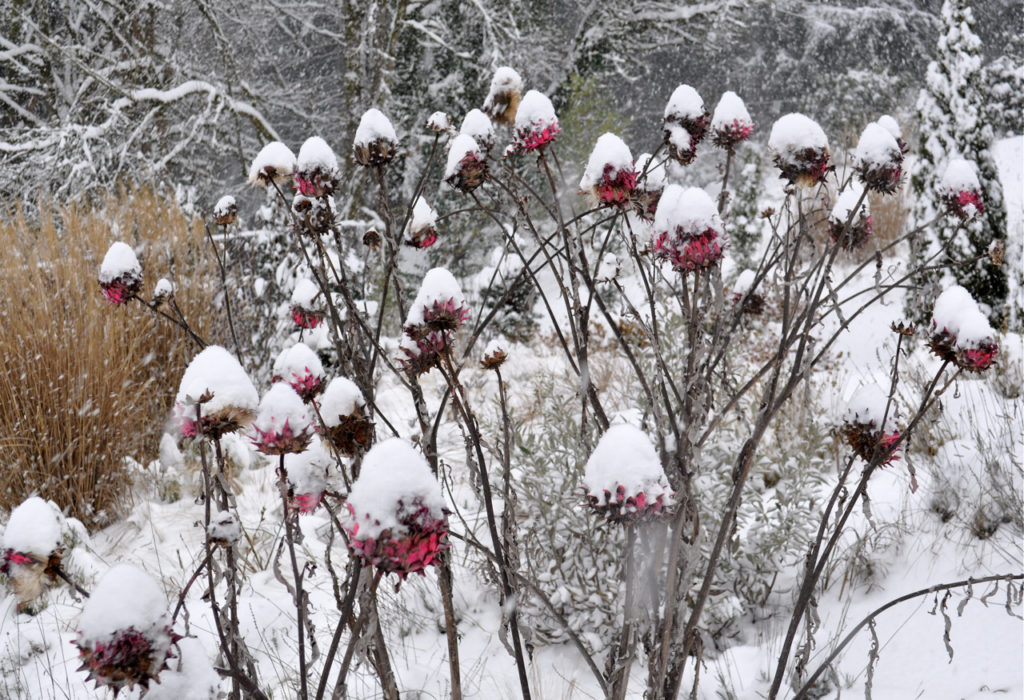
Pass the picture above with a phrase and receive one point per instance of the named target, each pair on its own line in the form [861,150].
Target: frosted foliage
[315,153]
[462,145]
[126,596]
[891,125]
[120,260]
[307,471]
[298,360]
[372,126]
[341,398]
[423,216]
[744,282]
[479,126]
[684,103]
[625,457]
[877,146]
[281,406]
[730,109]
[795,132]
[609,150]
[304,294]
[215,370]
[846,202]
[688,210]
[867,407]
[960,175]
[654,179]
[438,285]
[224,206]
[275,159]
[34,528]
[957,313]
[535,112]
[394,481]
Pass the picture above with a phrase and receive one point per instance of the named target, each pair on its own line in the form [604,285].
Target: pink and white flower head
[800,149]
[879,159]
[960,190]
[502,101]
[306,310]
[536,124]
[120,275]
[624,480]
[649,187]
[479,126]
[860,228]
[437,312]
[223,392]
[396,515]
[306,475]
[376,142]
[731,122]
[688,232]
[422,229]
[283,424]
[892,126]
[439,123]
[316,174]
[960,332]
[686,122]
[609,177]
[274,163]
[301,369]
[466,168]
[343,410]
[31,549]
[124,635]
[868,428]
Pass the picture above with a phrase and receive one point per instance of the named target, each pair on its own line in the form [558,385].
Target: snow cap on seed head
[960,189]
[283,422]
[502,101]
[623,478]
[479,126]
[301,369]
[609,177]
[466,167]
[536,123]
[317,169]
[879,159]
[375,142]
[731,122]
[274,163]
[120,275]
[215,374]
[800,149]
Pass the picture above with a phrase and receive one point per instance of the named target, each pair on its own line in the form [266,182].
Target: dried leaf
[1011,599]
[963,603]
[948,624]
[989,594]
[872,659]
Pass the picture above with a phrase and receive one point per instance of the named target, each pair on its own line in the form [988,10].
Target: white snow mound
[33,528]
[625,456]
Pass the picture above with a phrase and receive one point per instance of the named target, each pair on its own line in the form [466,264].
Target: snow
[890,125]
[479,126]
[877,146]
[224,206]
[275,161]
[438,286]
[315,154]
[679,137]
[690,211]
[125,597]
[307,471]
[795,132]
[215,370]
[535,112]
[394,481]
[609,150]
[462,145]
[439,122]
[119,261]
[650,176]
[340,399]
[868,406]
[164,288]
[684,104]
[505,80]
[424,217]
[33,528]
[224,527]
[608,269]
[304,294]
[744,282]
[959,176]
[373,126]
[730,110]
[193,677]
[298,361]
[957,313]
[281,406]
[846,201]
[625,456]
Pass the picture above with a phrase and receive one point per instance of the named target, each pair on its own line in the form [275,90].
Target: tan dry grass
[85,384]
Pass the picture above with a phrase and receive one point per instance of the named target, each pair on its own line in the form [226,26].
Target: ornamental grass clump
[624,480]
[688,232]
[960,332]
[124,637]
[397,518]
[869,426]
[609,177]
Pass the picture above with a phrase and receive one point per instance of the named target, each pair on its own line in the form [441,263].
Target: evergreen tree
[951,111]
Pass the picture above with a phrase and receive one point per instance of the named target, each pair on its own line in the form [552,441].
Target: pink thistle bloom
[635,508]
[314,183]
[281,440]
[966,204]
[306,319]
[536,123]
[961,190]
[689,254]
[732,133]
[534,139]
[306,385]
[615,187]
[129,659]
[403,554]
[306,502]
[866,440]
[423,354]
[960,332]
[121,290]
